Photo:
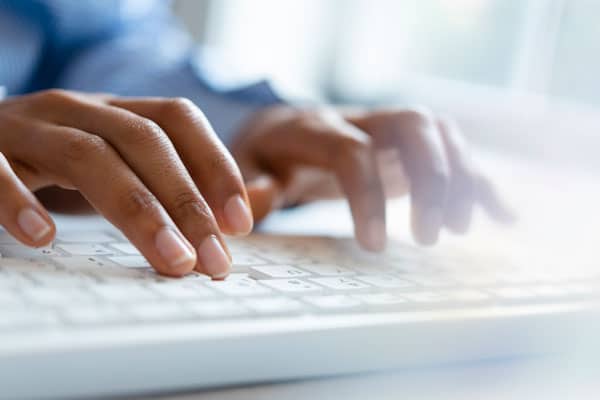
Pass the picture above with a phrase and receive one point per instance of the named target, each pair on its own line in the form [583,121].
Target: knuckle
[219,163]
[146,132]
[188,205]
[418,117]
[355,147]
[78,148]
[138,202]
[446,120]
[180,107]
[56,96]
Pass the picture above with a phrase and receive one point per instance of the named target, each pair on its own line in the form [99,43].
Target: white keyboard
[88,316]
[86,279]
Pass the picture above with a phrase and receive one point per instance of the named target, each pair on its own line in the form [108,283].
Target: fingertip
[374,236]
[426,224]
[36,226]
[213,259]
[238,215]
[177,254]
[458,220]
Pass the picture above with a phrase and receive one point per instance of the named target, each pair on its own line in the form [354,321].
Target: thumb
[264,194]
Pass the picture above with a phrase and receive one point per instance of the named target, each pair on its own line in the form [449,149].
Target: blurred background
[519,75]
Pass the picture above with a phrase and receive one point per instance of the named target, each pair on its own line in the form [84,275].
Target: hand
[289,156]
[152,166]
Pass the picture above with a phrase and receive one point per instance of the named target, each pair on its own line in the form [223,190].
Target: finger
[264,191]
[90,164]
[461,191]
[492,202]
[265,196]
[330,143]
[192,135]
[150,154]
[20,212]
[420,145]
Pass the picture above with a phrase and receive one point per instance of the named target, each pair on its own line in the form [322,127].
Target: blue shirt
[126,47]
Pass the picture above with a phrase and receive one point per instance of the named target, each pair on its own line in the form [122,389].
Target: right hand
[152,166]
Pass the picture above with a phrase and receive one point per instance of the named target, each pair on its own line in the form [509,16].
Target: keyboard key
[52,296]
[341,283]
[328,270]
[182,290]
[126,248]
[83,262]
[20,265]
[433,281]
[123,293]
[159,311]
[130,261]
[287,258]
[10,299]
[62,279]
[192,277]
[23,252]
[386,281]
[292,285]
[277,271]
[273,305]
[14,281]
[239,287]
[96,314]
[238,275]
[381,299]
[85,249]
[117,275]
[7,238]
[245,259]
[217,309]
[84,237]
[25,318]
[332,302]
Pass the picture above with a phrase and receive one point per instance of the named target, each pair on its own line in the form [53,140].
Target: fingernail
[431,223]
[172,248]
[238,215]
[213,258]
[376,234]
[33,224]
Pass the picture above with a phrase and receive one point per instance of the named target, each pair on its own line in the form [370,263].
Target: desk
[525,379]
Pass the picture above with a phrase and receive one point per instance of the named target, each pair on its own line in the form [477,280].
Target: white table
[525,379]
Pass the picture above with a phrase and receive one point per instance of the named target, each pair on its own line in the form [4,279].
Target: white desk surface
[515,379]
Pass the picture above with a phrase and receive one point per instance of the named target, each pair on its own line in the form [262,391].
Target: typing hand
[290,156]
[153,167]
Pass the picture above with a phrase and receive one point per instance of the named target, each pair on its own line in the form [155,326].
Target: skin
[290,156]
[149,166]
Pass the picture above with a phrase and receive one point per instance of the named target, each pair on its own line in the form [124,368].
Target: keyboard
[291,307]
[89,278]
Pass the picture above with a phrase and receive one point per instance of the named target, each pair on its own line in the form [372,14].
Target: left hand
[290,156]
